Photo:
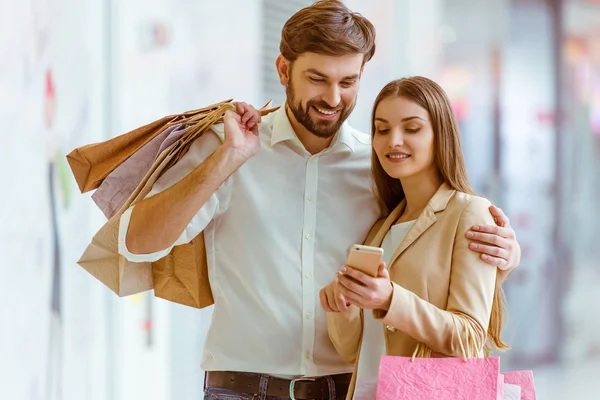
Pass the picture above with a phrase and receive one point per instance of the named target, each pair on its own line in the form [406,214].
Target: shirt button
[307,315]
[307,355]
[307,276]
[307,236]
[309,198]
[390,328]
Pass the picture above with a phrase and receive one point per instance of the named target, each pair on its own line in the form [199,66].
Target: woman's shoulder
[470,204]
[464,199]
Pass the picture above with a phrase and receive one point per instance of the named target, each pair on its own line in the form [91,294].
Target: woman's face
[403,139]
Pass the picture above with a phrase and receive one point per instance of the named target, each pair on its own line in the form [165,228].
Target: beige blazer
[434,276]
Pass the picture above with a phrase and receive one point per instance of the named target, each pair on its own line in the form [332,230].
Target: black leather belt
[303,388]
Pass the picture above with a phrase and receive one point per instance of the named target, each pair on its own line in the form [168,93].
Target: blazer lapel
[425,220]
[438,202]
[387,225]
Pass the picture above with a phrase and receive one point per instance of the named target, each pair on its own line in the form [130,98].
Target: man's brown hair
[327,27]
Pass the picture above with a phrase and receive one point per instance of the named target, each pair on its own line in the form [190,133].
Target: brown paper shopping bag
[181,276]
[102,259]
[92,163]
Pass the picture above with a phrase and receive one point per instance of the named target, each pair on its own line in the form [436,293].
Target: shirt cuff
[124,251]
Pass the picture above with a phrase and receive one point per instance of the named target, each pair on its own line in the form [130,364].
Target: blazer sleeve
[470,297]
[345,331]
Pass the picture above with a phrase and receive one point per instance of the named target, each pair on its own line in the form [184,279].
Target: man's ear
[284,69]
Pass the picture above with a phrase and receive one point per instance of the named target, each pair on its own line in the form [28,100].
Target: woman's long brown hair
[448,158]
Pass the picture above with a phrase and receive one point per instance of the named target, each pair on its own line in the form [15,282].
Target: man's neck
[312,143]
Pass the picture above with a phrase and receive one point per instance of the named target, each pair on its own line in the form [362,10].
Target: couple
[281,200]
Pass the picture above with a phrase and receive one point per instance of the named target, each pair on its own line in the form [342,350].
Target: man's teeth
[325,111]
[397,156]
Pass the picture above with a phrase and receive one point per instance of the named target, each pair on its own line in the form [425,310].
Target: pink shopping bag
[439,378]
[524,379]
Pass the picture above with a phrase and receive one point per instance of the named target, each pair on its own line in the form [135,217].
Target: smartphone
[365,258]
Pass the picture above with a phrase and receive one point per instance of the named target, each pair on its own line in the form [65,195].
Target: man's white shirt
[276,232]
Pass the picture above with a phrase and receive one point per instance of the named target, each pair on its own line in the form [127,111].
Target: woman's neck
[418,191]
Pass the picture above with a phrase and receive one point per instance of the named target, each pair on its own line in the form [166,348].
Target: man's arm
[158,221]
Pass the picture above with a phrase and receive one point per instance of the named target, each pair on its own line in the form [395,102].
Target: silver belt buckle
[293,384]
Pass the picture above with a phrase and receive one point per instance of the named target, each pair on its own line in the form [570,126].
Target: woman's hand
[364,291]
[332,300]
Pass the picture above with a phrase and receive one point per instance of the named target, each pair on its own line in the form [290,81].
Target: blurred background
[524,78]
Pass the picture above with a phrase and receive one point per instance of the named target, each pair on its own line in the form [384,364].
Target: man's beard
[324,128]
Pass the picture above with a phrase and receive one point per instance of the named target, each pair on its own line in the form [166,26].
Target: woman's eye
[413,130]
[382,131]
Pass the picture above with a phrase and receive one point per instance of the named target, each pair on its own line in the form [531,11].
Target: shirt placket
[308,257]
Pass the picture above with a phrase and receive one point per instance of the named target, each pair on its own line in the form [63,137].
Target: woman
[436,293]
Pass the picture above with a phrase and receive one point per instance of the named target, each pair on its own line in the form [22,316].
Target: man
[279,204]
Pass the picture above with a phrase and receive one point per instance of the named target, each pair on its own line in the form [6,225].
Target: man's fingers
[493,229]
[499,216]
[493,251]
[244,110]
[501,263]
[240,107]
[251,120]
[256,117]
[247,116]
[489,238]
